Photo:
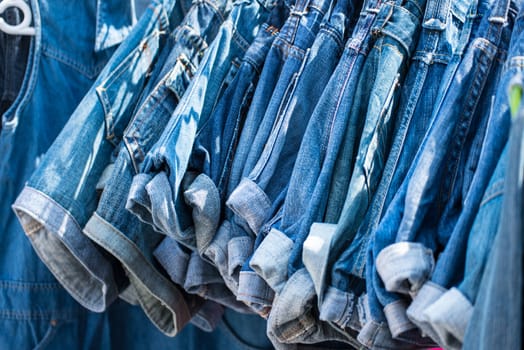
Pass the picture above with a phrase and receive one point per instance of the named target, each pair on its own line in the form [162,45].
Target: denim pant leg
[115,229]
[165,164]
[308,185]
[273,179]
[53,208]
[391,50]
[450,267]
[497,314]
[56,71]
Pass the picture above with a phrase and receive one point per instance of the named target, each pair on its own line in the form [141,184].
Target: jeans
[384,71]
[115,229]
[306,197]
[14,50]
[36,311]
[449,314]
[443,176]
[233,242]
[209,165]
[276,163]
[496,319]
[53,209]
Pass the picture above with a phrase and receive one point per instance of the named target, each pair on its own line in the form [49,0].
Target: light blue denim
[279,157]
[496,320]
[53,208]
[391,193]
[443,182]
[307,195]
[449,314]
[118,231]
[35,310]
[337,267]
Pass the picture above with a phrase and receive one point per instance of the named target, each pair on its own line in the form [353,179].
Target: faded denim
[278,158]
[307,194]
[115,229]
[445,176]
[53,208]
[497,314]
[384,71]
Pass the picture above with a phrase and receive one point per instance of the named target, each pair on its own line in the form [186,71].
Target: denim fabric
[14,51]
[276,163]
[115,229]
[307,194]
[264,174]
[53,208]
[444,170]
[383,73]
[446,30]
[154,192]
[212,162]
[497,315]
[57,70]
[449,315]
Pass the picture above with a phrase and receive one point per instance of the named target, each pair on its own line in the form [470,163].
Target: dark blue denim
[307,195]
[397,28]
[497,315]
[233,243]
[443,172]
[272,151]
[57,70]
[277,161]
[446,30]
[209,166]
[115,229]
[154,193]
[53,208]
[14,51]
[449,314]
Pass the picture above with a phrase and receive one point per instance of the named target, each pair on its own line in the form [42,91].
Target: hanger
[22,28]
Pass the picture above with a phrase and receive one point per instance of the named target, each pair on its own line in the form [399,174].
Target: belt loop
[436,14]
[499,15]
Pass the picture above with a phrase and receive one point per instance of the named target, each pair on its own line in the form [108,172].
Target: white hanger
[22,28]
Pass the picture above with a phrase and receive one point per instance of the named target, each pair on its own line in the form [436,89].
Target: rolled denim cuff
[426,296]
[251,203]
[449,317]
[208,317]
[165,304]
[397,318]
[315,254]
[202,195]
[239,251]
[138,201]
[173,259]
[72,258]
[129,295]
[270,259]
[405,266]
[339,307]
[254,291]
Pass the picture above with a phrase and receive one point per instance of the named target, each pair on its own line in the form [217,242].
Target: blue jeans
[378,88]
[53,209]
[56,72]
[209,166]
[277,161]
[473,236]
[233,242]
[115,229]
[443,176]
[438,57]
[294,319]
[496,319]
